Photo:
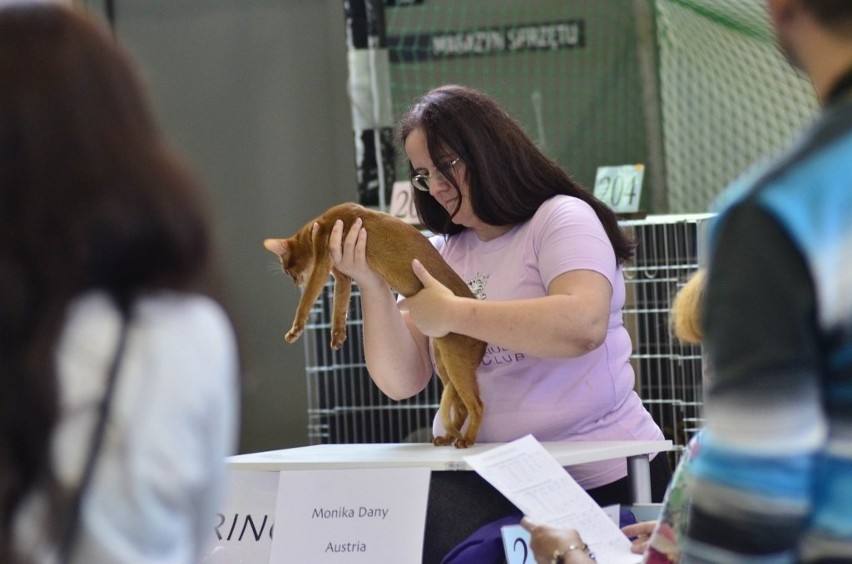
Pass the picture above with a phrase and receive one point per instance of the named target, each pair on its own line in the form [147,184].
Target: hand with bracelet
[556,545]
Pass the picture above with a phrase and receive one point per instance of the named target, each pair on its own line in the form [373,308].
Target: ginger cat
[391,247]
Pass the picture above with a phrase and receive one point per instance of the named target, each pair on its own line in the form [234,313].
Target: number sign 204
[620,187]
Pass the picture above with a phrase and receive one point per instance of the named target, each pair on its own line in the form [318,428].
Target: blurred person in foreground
[773,479]
[118,390]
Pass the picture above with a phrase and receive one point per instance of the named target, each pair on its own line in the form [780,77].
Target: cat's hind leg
[449,398]
[451,434]
[462,356]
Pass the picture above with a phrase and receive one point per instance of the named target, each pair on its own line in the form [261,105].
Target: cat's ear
[277,246]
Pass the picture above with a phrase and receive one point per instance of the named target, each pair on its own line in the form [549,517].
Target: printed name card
[360,515]
[516,545]
[243,525]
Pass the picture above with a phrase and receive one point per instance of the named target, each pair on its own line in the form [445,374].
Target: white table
[459,500]
[391,455]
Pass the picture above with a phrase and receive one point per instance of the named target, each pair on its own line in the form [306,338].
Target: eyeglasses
[420,178]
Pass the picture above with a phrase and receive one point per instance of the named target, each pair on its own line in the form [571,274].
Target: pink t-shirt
[587,398]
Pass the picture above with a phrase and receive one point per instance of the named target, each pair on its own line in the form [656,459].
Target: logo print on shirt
[499,355]
[477,285]
[493,355]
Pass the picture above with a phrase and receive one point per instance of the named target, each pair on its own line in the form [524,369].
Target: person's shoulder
[159,307]
[193,319]
[564,202]
[162,323]
[180,309]
[817,157]
[191,329]
[563,206]
[798,187]
[438,241]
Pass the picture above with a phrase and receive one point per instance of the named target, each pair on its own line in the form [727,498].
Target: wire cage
[344,406]
[668,371]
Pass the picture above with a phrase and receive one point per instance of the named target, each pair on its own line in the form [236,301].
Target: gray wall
[254,94]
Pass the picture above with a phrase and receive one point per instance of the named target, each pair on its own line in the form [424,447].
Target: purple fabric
[585,398]
[485,546]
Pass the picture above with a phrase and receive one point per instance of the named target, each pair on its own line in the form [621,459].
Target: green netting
[578,101]
[729,98]
[718,95]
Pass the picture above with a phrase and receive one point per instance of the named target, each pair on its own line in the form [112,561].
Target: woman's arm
[397,354]
[570,321]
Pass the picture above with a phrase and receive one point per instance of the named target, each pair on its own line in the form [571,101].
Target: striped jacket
[773,480]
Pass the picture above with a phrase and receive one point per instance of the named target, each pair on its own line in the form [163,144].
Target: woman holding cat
[118,397]
[544,256]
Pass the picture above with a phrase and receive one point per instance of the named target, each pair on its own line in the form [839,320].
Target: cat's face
[297,265]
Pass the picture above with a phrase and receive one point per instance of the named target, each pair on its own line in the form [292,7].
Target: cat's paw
[293,335]
[463,443]
[337,339]
[442,441]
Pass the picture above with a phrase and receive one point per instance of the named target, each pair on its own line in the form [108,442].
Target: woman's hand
[641,535]
[349,255]
[430,309]
[545,541]
[397,356]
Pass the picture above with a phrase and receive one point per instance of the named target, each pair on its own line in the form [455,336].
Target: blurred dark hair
[830,12]
[91,197]
[509,177]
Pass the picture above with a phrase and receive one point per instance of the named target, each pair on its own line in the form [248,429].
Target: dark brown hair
[509,177]
[91,197]
[830,12]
